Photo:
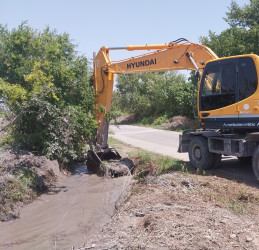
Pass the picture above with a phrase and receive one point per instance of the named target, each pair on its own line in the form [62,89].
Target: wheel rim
[197,153]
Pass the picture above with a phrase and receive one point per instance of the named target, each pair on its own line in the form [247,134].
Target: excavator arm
[177,55]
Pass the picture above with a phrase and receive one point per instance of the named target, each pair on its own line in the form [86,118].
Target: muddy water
[65,217]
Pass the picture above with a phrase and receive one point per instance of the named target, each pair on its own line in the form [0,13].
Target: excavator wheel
[255,163]
[199,154]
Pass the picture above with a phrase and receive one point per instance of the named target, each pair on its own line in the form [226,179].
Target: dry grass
[236,197]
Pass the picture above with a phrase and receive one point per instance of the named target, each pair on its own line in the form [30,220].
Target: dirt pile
[174,123]
[175,211]
[22,177]
[180,122]
[124,119]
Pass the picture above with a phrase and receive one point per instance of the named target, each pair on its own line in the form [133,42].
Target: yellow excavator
[227,101]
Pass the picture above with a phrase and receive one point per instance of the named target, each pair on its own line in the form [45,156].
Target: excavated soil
[175,211]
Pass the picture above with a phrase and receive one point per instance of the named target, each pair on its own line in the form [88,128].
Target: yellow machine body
[163,57]
[227,100]
[217,107]
[237,107]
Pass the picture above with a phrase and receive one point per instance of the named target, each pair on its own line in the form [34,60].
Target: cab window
[247,77]
[218,86]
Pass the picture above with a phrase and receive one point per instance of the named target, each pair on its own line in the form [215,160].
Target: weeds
[154,164]
[21,187]
[224,193]
[28,178]
[237,198]
[116,143]
[148,163]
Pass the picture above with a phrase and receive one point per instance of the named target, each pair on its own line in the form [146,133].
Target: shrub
[49,90]
[154,95]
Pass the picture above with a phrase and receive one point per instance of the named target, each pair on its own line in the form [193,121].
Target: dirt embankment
[23,176]
[181,209]
[69,208]
[176,211]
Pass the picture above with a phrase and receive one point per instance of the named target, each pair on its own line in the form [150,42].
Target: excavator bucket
[95,158]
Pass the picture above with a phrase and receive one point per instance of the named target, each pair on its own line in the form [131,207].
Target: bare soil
[180,122]
[176,211]
[183,210]
[170,211]
[125,119]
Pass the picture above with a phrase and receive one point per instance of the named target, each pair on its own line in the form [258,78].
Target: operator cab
[226,82]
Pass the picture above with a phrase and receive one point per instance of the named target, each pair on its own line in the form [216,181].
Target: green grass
[117,144]
[155,164]
[150,163]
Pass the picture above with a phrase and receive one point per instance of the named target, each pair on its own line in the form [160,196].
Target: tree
[48,88]
[153,94]
[242,37]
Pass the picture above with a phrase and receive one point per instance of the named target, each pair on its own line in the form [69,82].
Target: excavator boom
[228,99]
[177,55]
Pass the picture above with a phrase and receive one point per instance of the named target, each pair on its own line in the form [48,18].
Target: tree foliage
[48,88]
[242,37]
[153,94]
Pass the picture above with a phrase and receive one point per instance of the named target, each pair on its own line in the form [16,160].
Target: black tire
[255,163]
[199,154]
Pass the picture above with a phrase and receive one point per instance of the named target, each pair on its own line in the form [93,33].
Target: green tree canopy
[242,37]
[153,94]
[48,88]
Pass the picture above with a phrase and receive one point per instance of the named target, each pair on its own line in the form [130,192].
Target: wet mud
[66,216]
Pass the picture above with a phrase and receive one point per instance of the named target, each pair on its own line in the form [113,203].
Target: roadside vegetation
[47,111]
[154,98]
[47,89]
[231,194]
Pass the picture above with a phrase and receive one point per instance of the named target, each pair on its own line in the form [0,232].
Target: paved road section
[166,142]
[154,140]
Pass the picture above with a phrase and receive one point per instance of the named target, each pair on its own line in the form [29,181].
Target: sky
[113,23]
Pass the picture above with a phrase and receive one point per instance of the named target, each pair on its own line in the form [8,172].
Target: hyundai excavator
[227,100]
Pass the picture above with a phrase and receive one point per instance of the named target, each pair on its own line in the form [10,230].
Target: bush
[158,94]
[49,90]
[160,120]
